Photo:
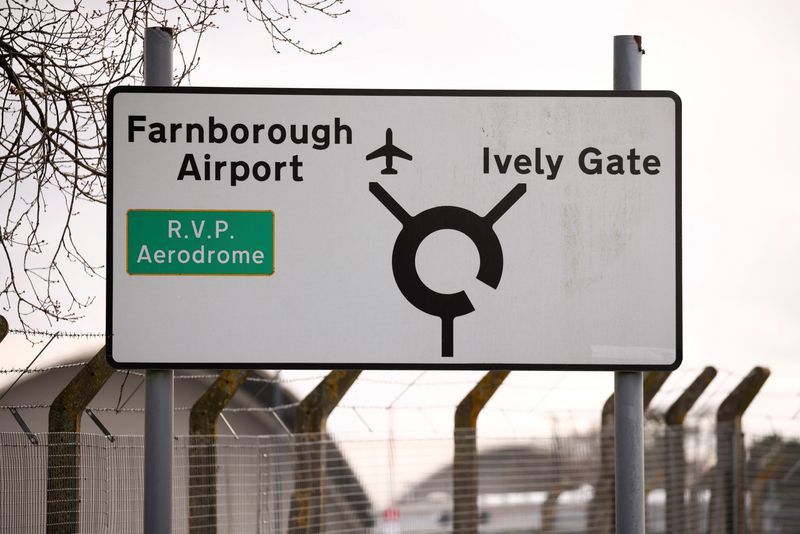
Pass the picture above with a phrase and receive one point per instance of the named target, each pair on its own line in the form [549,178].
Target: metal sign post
[298,219]
[628,386]
[159,394]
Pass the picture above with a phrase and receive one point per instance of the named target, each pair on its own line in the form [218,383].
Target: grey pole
[159,385]
[628,386]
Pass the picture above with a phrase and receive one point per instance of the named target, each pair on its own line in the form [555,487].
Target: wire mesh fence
[266,484]
[540,463]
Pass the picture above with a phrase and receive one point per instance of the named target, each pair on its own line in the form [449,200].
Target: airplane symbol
[389,151]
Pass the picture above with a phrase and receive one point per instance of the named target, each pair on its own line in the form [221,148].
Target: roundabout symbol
[446,306]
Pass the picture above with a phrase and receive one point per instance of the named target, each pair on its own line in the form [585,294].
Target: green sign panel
[181,242]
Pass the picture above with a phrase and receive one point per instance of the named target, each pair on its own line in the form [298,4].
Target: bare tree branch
[58,61]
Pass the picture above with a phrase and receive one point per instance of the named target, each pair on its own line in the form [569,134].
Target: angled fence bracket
[465,457]
[96,420]
[24,426]
[308,498]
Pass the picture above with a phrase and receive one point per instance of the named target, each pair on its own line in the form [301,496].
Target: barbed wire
[33,370]
[510,415]
[57,334]
[716,389]
[556,385]
[107,409]
[413,384]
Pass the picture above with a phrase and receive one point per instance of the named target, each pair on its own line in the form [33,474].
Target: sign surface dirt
[283,228]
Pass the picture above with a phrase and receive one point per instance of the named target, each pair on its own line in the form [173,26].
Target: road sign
[394,229]
[186,242]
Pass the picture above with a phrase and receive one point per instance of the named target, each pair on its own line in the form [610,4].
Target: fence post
[768,467]
[202,449]
[726,514]
[465,456]
[602,507]
[63,444]
[307,502]
[675,475]
[3,328]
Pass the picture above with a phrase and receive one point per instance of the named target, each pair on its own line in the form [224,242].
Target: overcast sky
[735,66]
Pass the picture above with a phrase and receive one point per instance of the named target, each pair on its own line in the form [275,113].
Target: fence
[704,476]
[254,486]
[405,485]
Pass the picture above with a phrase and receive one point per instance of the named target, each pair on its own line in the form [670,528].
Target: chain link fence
[380,485]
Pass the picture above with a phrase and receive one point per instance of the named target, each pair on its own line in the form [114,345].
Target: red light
[391,514]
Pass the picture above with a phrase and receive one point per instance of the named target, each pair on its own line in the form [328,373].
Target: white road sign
[283,228]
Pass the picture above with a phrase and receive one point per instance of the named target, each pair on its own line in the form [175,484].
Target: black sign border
[393,92]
